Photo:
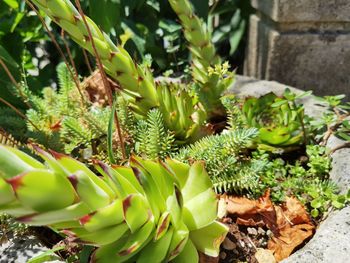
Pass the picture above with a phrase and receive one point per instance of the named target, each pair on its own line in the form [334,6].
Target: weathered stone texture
[304,10]
[21,249]
[305,44]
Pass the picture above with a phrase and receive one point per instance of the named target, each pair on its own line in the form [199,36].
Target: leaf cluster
[153,140]
[306,178]
[334,120]
[225,156]
[63,121]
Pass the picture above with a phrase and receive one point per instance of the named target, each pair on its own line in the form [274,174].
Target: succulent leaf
[188,254]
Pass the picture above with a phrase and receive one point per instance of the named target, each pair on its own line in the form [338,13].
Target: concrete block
[304,10]
[305,44]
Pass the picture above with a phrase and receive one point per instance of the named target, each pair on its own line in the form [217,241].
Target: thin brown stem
[87,61]
[332,128]
[15,83]
[18,112]
[70,55]
[106,84]
[76,81]
[342,146]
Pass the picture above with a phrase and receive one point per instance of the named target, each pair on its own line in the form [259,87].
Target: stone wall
[302,43]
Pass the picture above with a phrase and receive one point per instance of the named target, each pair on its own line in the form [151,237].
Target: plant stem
[76,81]
[70,55]
[19,113]
[15,83]
[87,62]
[104,79]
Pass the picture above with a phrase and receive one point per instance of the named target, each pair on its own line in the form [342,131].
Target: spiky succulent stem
[197,34]
[212,78]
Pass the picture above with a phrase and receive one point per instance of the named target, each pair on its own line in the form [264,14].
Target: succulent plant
[183,114]
[198,36]
[278,122]
[212,77]
[148,212]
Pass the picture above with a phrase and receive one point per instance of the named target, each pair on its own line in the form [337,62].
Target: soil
[241,243]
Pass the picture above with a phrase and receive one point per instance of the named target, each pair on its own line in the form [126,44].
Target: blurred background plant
[151,25]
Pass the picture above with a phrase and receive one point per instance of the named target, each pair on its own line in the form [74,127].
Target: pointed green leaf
[43,190]
[89,192]
[136,211]
[100,237]
[104,217]
[156,251]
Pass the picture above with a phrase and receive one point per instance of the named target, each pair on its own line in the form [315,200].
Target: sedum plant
[223,155]
[306,180]
[62,121]
[147,212]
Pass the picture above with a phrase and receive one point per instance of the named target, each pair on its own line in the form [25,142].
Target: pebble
[228,244]
[269,233]
[264,256]
[252,231]
[223,254]
[242,244]
[261,231]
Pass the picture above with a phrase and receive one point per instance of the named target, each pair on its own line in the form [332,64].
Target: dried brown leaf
[290,222]
[295,227]
[244,206]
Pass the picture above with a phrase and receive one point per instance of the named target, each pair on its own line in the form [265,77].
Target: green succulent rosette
[145,212]
[278,122]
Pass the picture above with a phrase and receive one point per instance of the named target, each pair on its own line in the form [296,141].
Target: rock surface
[331,243]
[21,249]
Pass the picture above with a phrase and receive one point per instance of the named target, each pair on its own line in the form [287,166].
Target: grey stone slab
[340,173]
[305,10]
[247,86]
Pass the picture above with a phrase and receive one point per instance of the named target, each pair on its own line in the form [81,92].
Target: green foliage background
[24,44]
